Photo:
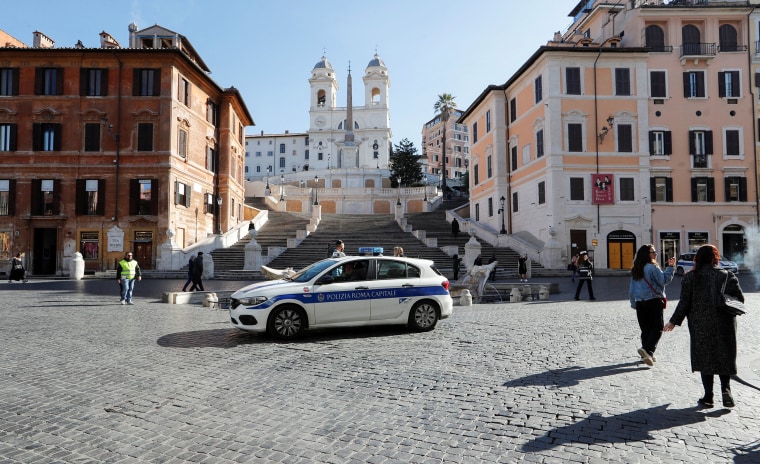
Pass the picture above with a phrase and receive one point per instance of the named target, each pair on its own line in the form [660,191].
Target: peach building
[631,128]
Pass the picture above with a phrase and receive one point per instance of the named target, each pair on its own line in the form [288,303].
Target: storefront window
[5,245]
[89,245]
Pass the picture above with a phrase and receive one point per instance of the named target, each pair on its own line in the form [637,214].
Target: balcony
[698,50]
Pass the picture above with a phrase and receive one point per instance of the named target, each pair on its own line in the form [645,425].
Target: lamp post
[426,183]
[316,184]
[219,214]
[502,200]
[269,169]
[398,191]
[282,187]
[606,129]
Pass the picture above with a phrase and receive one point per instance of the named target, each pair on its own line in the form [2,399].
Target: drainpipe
[754,130]
[596,138]
[118,138]
[508,203]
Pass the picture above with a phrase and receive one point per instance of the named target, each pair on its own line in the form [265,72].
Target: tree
[405,164]
[444,105]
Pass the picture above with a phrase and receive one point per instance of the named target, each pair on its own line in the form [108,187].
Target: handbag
[728,304]
[662,297]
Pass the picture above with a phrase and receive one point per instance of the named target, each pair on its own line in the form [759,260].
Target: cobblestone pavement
[86,380]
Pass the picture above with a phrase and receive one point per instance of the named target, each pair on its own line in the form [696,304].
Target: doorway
[144,249]
[44,251]
[734,243]
[621,245]
[577,241]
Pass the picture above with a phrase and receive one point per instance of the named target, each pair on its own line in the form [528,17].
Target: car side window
[396,270]
[351,271]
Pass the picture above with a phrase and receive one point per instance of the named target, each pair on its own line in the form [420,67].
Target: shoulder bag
[662,297]
[728,304]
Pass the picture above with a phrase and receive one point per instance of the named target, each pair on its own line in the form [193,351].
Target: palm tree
[444,105]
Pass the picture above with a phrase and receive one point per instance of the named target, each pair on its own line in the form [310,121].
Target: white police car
[342,292]
[685,264]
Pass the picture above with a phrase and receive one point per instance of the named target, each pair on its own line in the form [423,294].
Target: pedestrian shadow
[621,428]
[748,454]
[570,376]
[213,338]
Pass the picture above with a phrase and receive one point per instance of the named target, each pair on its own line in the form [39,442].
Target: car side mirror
[324,280]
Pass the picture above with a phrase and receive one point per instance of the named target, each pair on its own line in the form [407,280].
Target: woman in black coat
[712,333]
[585,275]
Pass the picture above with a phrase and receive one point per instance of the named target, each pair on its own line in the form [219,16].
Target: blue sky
[267,49]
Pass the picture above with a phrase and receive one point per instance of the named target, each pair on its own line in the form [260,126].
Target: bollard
[527,294]
[465,298]
[210,300]
[543,293]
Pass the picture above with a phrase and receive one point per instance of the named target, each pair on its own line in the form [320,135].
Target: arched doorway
[734,243]
[621,248]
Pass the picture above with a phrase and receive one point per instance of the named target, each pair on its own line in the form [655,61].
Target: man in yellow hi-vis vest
[126,273]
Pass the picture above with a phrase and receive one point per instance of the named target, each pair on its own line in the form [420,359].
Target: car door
[346,298]
[394,290]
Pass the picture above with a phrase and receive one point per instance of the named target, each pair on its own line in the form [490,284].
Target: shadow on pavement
[569,376]
[214,338]
[621,428]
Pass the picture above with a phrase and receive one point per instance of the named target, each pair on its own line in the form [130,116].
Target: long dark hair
[643,258]
[707,256]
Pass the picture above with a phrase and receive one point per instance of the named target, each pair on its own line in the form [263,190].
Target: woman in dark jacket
[712,333]
[585,271]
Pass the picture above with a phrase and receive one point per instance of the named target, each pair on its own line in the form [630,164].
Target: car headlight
[252,301]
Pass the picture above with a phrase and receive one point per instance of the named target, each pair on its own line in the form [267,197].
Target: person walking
[647,297]
[339,247]
[190,272]
[712,333]
[522,268]
[585,275]
[197,268]
[456,265]
[454,228]
[126,273]
[574,265]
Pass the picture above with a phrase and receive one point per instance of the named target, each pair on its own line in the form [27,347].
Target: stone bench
[506,290]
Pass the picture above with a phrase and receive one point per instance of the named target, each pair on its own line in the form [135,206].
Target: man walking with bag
[198,273]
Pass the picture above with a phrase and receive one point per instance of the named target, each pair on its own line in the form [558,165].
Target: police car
[345,291]
[686,263]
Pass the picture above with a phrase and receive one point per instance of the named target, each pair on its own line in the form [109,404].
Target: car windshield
[309,272]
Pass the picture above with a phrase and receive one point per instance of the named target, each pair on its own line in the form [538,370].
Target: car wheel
[286,323]
[423,316]
[679,271]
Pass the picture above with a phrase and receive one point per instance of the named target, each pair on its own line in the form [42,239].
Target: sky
[267,48]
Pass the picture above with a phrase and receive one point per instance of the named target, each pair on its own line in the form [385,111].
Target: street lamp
[269,169]
[316,184]
[606,129]
[282,187]
[426,183]
[398,191]
[501,210]
[219,214]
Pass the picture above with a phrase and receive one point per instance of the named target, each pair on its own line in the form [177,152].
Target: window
[660,143]
[732,143]
[622,81]
[515,203]
[476,173]
[270,153]
[626,189]
[736,188]
[728,84]
[7,195]
[657,84]
[727,37]
[655,38]
[489,167]
[46,197]
[46,137]
[8,82]
[488,121]
[8,137]
[93,82]
[573,81]
[575,137]
[477,212]
[182,143]
[538,89]
[183,91]
[514,157]
[48,81]
[282,148]
[691,38]
[208,203]
[540,143]
[541,193]
[89,246]
[146,82]
[212,113]
[91,137]
[700,145]
[475,132]
[282,162]
[490,207]
[89,200]
[624,138]
[512,110]
[181,194]
[576,189]
[702,189]
[694,84]
[306,154]
[145,136]
[143,197]
[661,189]
[211,159]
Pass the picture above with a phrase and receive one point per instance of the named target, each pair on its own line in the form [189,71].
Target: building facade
[457,147]
[633,127]
[110,148]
